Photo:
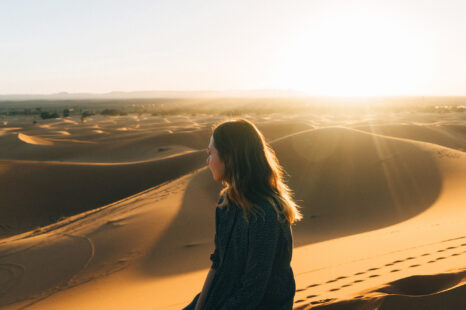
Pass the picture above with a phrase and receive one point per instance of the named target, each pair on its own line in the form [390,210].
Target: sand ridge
[34,140]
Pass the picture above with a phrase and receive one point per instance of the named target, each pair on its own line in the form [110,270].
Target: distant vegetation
[231,106]
[85,114]
[113,112]
[46,115]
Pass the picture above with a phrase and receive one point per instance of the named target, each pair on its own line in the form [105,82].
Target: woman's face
[216,165]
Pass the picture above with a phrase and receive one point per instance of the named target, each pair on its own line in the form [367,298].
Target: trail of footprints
[442,254]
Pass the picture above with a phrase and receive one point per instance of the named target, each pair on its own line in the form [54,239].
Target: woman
[253,240]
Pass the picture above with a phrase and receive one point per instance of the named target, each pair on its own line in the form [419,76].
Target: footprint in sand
[376,275]
[323,301]
[309,286]
[334,280]
[454,239]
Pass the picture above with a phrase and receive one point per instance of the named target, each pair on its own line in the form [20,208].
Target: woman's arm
[205,289]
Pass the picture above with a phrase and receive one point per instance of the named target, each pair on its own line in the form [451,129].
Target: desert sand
[117,212]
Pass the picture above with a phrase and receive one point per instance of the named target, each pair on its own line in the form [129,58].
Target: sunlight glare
[356,54]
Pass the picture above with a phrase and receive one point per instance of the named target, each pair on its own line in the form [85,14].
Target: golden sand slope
[350,181]
[60,189]
[344,273]
[376,210]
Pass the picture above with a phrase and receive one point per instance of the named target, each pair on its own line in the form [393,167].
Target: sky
[328,47]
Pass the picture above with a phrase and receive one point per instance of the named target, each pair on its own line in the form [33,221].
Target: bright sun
[355,54]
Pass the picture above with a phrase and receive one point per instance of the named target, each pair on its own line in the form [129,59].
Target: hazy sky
[348,47]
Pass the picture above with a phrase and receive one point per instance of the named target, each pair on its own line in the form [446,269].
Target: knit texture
[251,261]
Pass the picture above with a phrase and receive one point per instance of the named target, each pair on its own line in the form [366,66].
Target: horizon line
[282,92]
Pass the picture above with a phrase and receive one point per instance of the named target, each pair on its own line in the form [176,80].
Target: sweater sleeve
[214,257]
[263,237]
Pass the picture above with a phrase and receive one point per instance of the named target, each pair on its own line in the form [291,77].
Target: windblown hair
[252,171]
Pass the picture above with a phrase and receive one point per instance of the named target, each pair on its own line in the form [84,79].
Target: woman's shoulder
[266,211]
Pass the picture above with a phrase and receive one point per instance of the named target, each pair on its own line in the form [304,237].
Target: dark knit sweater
[251,262]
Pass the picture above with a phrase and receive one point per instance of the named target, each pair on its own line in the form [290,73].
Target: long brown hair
[252,171]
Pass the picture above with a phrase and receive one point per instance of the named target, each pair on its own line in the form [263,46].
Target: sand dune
[63,132]
[34,140]
[273,130]
[383,223]
[349,181]
[426,292]
[430,243]
[6,131]
[11,129]
[106,144]
[62,189]
[69,121]
[452,136]
[49,141]
[103,149]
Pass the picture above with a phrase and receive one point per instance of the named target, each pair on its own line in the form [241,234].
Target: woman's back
[252,261]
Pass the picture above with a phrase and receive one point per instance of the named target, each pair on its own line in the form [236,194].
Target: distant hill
[154,94]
